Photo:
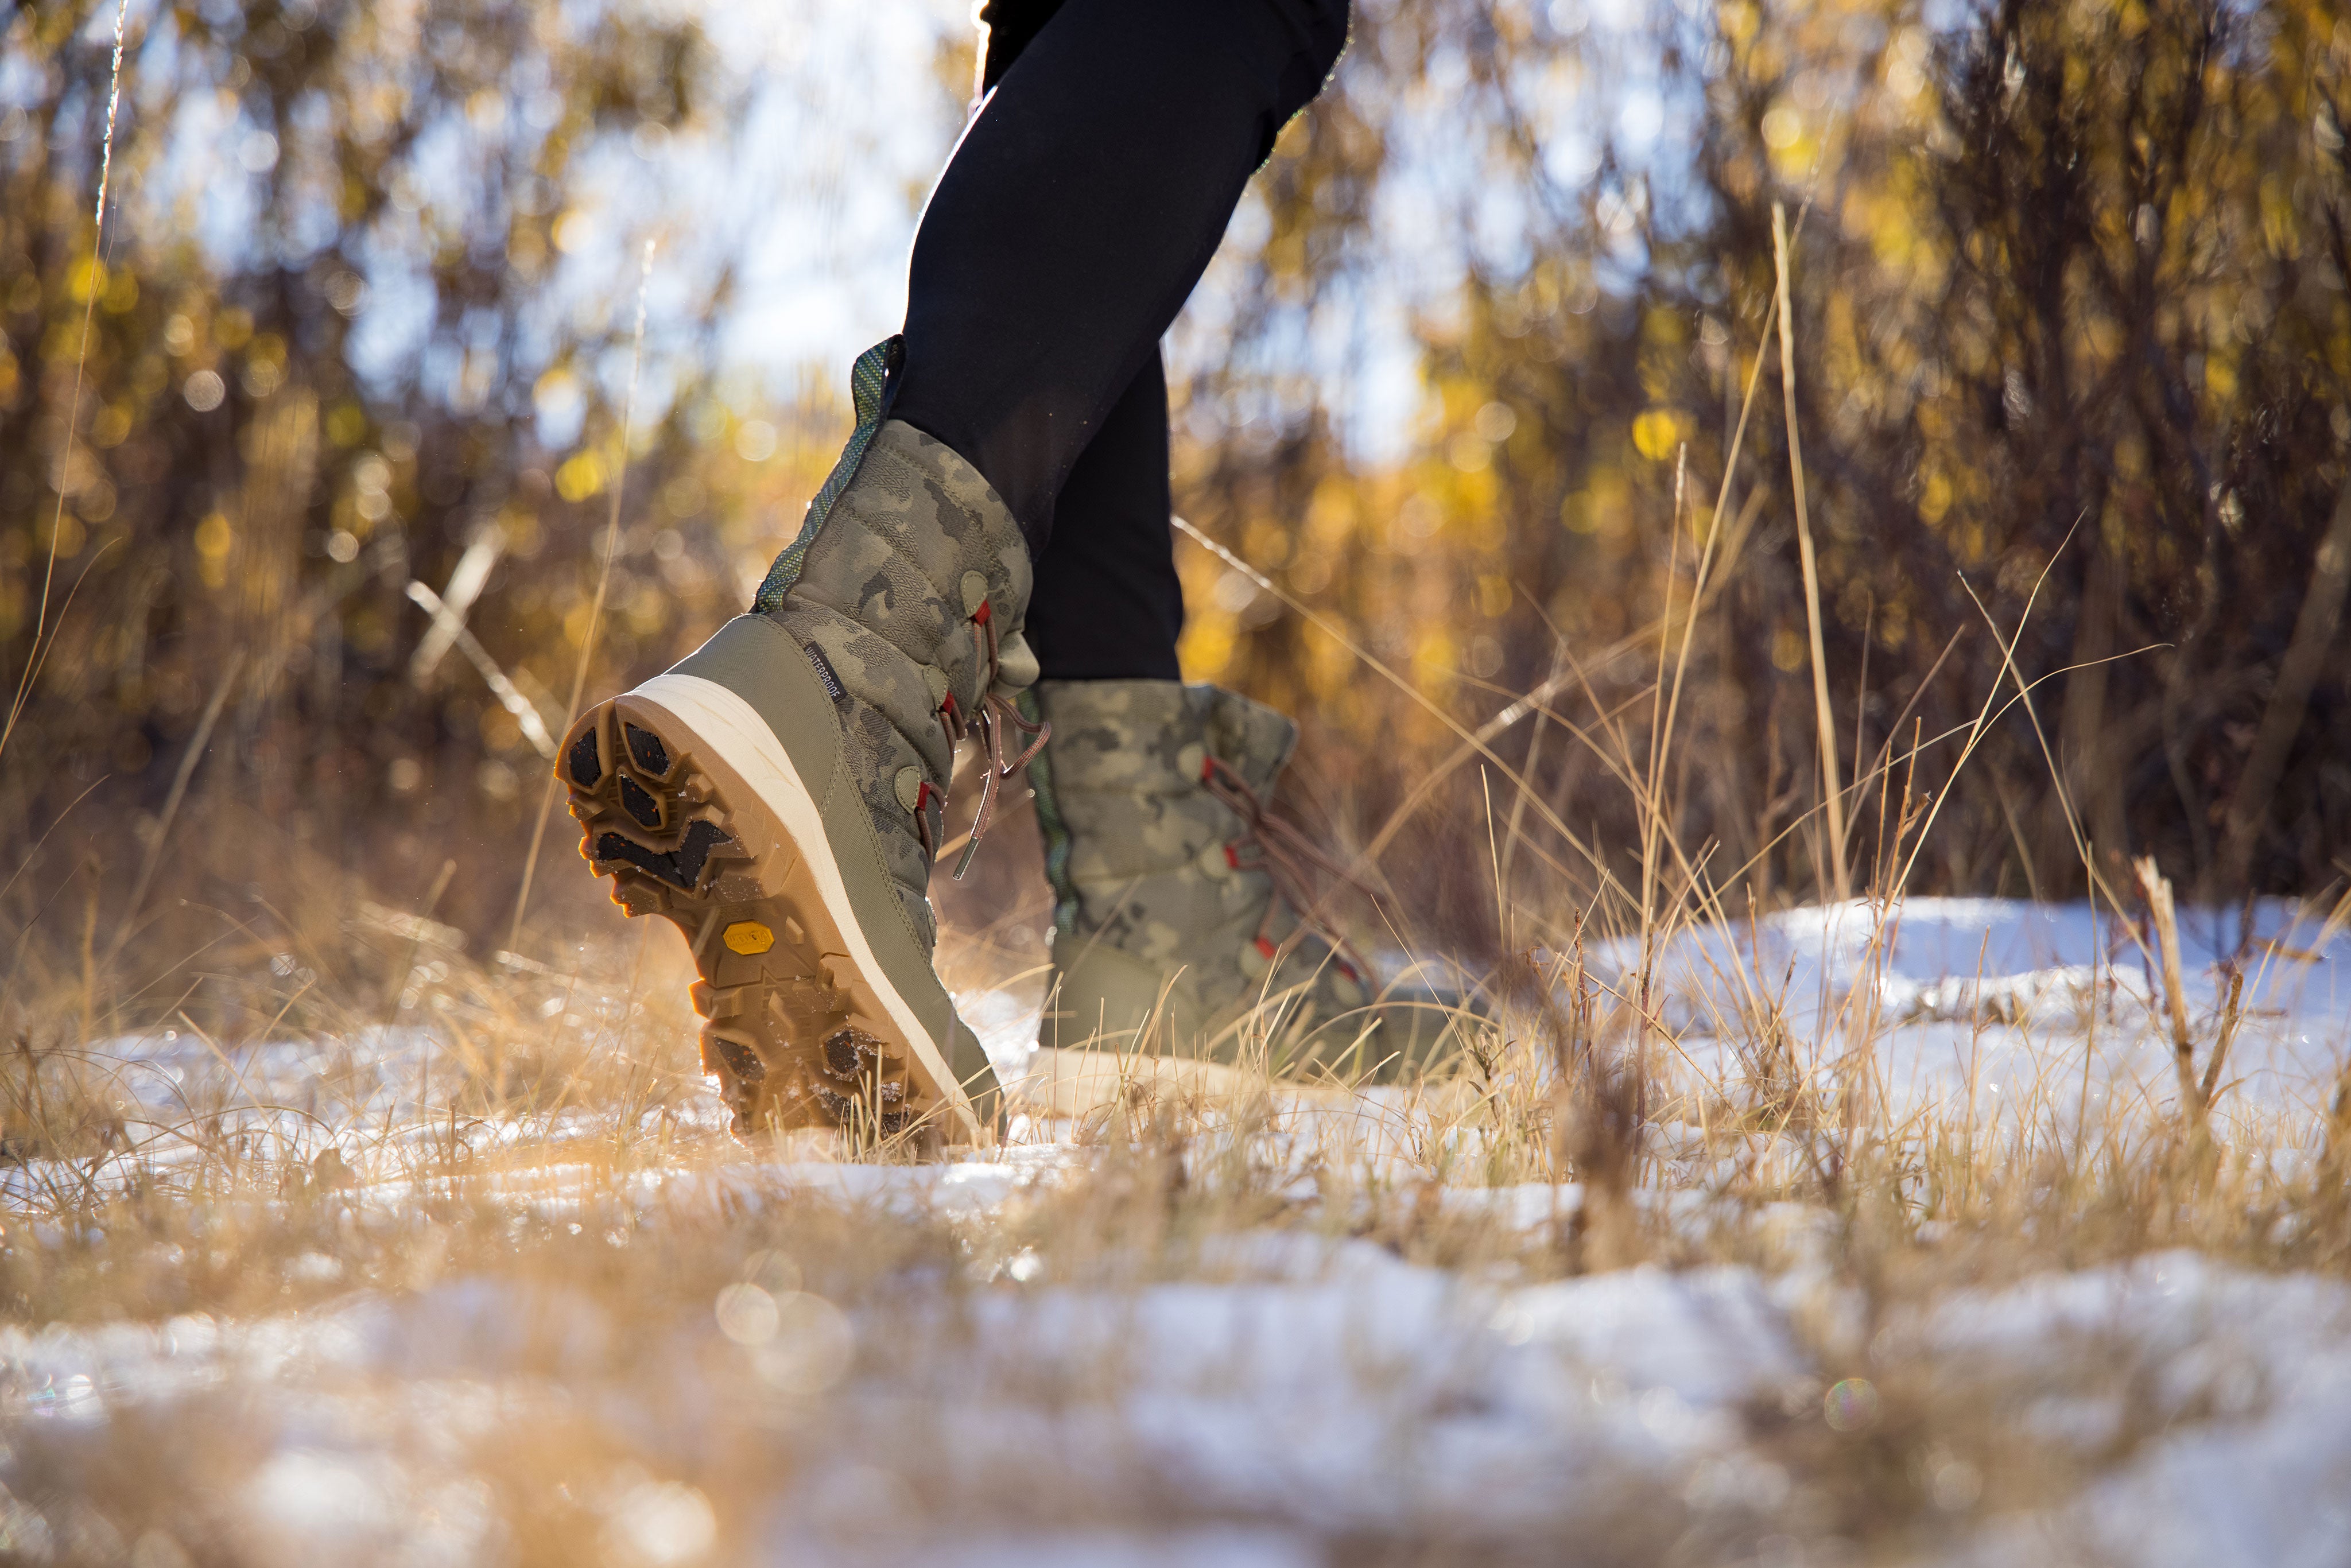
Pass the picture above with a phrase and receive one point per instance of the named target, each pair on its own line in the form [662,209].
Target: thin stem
[596,608]
[1832,794]
[81,364]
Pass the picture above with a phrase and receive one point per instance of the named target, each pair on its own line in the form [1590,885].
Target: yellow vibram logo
[749,937]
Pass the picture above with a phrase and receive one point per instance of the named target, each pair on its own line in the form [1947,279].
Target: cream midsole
[725,720]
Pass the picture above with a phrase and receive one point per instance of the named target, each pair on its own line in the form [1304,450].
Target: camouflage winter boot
[1181,918]
[778,795]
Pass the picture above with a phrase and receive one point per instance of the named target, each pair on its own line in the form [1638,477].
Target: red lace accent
[924,794]
[994,716]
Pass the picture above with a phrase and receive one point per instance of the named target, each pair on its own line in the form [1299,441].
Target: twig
[188,760]
[526,714]
[456,597]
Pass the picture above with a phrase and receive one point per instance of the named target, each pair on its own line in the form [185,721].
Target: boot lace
[989,721]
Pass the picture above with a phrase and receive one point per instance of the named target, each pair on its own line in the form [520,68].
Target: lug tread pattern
[778,1033]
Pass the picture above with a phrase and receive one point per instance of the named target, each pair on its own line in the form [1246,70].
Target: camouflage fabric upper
[916,565]
[1146,859]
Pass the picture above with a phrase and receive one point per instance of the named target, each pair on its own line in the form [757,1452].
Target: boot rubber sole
[693,807]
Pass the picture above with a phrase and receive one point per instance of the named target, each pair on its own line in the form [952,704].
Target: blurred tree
[334,348]
[2075,306]
[2070,331]
[2072,338]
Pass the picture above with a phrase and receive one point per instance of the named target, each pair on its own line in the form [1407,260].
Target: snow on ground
[1319,1392]
[1290,1394]
[2007,995]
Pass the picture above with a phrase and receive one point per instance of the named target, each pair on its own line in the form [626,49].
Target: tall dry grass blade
[2157,888]
[596,608]
[1977,727]
[2096,880]
[1651,799]
[1551,818]
[1534,754]
[1703,593]
[1494,850]
[2231,1015]
[187,771]
[81,364]
[1833,795]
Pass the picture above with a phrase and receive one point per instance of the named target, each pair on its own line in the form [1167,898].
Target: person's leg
[1080,209]
[1006,27]
[1108,604]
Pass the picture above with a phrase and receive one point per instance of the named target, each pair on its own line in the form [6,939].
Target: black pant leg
[1079,210]
[1108,604]
[1005,29]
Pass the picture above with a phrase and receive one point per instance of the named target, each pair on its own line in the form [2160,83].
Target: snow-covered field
[601,1332]
[2005,994]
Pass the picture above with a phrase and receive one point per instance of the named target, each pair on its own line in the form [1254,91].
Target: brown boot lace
[995,713]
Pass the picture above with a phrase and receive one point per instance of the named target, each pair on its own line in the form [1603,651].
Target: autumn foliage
[2072,388]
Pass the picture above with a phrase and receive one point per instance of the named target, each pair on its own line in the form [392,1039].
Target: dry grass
[405,1250]
[529,1221]
[459,1230]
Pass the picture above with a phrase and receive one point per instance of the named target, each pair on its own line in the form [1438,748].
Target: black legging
[1077,212]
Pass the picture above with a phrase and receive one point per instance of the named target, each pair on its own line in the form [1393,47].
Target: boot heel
[779,1029]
